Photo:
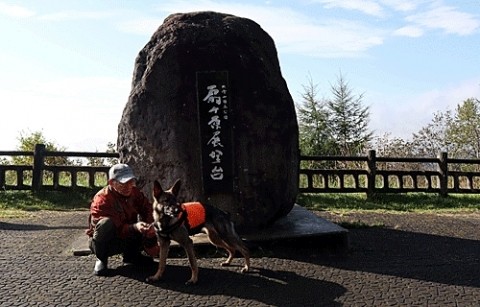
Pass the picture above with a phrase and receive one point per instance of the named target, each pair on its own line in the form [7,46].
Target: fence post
[38,159]
[372,172]
[443,170]
[2,178]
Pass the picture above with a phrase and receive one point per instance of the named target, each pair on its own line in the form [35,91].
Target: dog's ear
[157,189]
[176,187]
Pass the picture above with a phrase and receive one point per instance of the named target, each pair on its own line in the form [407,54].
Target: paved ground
[405,260]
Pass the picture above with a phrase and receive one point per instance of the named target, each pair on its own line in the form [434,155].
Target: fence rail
[317,174]
[372,175]
[33,177]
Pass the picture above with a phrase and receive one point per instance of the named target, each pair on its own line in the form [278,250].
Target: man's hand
[141,227]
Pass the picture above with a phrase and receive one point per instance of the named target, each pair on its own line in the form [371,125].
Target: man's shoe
[101,268]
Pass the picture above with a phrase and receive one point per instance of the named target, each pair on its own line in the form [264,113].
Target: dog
[176,221]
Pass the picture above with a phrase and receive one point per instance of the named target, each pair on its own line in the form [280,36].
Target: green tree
[386,146]
[97,161]
[313,121]
[348,119]
[28,141]
[433,138]
[464,130]
[112,147]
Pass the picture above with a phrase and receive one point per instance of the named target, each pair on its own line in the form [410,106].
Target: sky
[66,66]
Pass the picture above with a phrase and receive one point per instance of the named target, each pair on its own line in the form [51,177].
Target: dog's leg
[182,237]
[162,262]
[215,238]
[240,246]
[192,259]
[231,242]
[235,243]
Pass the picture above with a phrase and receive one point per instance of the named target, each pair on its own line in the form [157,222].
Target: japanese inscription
[215,131]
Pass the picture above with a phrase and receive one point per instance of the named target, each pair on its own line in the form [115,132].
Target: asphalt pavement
[391,260]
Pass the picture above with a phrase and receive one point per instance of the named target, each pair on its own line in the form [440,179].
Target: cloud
[401,5]
[409,31]
[448,19]
[365,6]
[408,114]
[293,32]
[377,8]
[437,17]
[15,11]
[333,39]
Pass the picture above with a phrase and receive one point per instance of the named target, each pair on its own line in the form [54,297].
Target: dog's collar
[166,231]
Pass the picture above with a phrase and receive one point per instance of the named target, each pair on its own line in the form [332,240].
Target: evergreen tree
[348,120]
[464,130]
[313,120]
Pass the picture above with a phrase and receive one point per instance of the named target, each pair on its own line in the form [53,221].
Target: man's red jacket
[123,211]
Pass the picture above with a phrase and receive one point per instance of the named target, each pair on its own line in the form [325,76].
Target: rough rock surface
[159,130]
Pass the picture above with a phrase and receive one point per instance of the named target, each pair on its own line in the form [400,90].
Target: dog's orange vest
[195,214]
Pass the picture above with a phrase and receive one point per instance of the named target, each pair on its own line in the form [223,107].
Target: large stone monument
[209,106]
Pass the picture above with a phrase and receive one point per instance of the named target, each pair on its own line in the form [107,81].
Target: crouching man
[119,222]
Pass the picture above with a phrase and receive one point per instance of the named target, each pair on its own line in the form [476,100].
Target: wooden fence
[372,175]
[317,174]
[31,177]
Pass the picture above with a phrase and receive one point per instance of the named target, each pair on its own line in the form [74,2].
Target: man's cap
[121,173]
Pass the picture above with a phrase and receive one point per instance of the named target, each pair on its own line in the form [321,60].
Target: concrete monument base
[299,224]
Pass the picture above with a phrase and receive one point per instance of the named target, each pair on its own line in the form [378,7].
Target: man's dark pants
[106,243]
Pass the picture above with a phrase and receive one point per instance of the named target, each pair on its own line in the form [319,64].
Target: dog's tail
[224,225]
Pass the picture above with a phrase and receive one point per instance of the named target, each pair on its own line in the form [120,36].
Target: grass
[19,203]
[411,202]
[393,203]
[360,225]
